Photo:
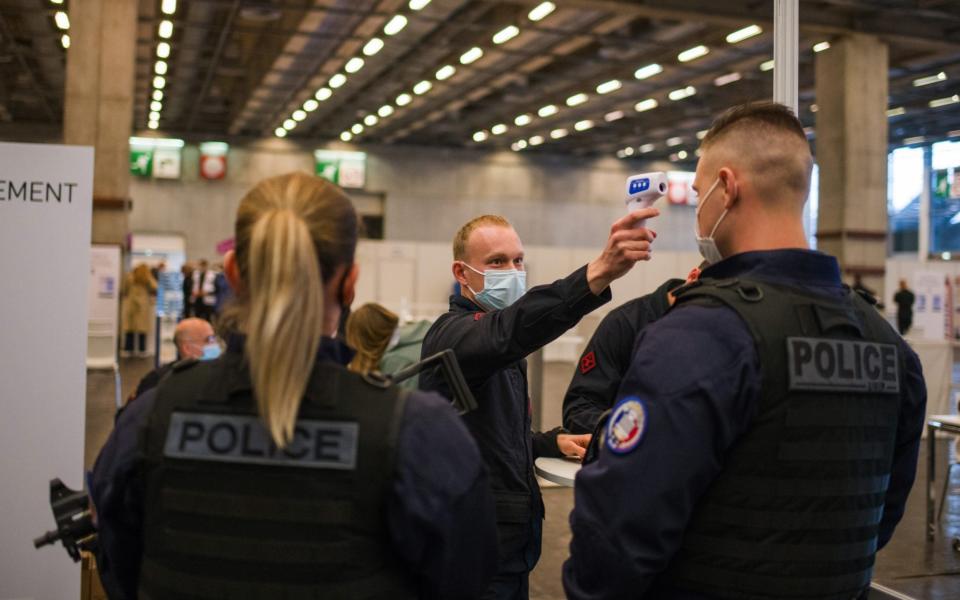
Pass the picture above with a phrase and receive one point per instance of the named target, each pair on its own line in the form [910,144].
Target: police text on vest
[842,365]
[243,439]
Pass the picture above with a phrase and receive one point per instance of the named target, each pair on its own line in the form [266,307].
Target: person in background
[204,292]
[138,294]
[382,344]
[187,271]
[492,326]
[194,340]
[904,299]
[368,332]
[222,290]
[404,350]
[593,389]
[274,472]
[158,270]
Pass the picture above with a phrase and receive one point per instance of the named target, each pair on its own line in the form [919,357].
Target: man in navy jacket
[492,326]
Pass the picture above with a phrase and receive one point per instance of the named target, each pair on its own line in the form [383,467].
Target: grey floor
[908,564]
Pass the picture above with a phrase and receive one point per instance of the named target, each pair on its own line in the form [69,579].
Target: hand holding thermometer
[645,189]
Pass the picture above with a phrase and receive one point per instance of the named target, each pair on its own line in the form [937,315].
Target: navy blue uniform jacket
[698,372]
[440,512]
[491,347]
[606,358]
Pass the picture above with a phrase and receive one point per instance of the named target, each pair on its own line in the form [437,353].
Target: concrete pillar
[851,129]
[98,108]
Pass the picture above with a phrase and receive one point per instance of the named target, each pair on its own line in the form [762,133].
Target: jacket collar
[460,303]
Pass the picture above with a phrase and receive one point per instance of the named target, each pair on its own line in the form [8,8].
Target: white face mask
[707,245]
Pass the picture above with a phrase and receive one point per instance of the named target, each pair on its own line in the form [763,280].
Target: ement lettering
[40,192]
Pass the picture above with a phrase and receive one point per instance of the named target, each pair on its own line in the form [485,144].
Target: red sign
[213,167]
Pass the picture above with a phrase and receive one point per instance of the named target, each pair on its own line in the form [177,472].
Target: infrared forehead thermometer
[645,189]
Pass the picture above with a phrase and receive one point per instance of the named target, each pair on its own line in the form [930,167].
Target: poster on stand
[103,303]
[929,319]
[46,199]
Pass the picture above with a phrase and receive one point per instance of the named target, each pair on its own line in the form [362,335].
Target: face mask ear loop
[472,291]
[720,220]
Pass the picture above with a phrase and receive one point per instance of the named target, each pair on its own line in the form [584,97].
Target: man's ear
[458,273]
[730,187]
[232,271]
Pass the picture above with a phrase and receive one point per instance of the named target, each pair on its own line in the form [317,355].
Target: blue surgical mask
[501,288]
[210,351]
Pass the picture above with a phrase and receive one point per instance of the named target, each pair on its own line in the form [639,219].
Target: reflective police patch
[816,364]
[626,425]
[243,439]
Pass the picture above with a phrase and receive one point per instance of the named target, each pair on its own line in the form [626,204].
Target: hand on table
[573,445]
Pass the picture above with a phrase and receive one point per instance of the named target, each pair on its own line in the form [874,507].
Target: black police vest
[228,515]
[795,512]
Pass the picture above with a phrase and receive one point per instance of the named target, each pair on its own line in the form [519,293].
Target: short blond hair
[460,240]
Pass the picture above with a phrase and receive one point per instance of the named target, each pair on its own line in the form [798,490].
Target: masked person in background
[194,340]
[382,344]
[492,326]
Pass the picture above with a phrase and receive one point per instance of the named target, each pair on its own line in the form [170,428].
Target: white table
[560,471]
[949,424]
[937,358]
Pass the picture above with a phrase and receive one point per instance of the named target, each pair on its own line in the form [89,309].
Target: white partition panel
[45,211]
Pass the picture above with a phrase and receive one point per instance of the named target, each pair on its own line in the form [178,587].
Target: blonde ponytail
[286,318]
[292,234]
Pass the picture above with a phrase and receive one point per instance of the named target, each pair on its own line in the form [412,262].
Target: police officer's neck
[763,230]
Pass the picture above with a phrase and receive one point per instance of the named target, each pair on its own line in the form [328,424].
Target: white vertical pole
[786,47]
[923,244]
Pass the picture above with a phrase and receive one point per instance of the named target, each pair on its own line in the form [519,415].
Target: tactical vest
[228,515]
[795,512]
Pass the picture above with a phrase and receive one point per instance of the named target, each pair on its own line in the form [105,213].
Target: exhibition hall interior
[796,168]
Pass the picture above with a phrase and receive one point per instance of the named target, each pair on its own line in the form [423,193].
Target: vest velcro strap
[817,488]
[283,552]
[209,504]
[834,587]
[770,551]
[832,451]
[166,582]
[793,520]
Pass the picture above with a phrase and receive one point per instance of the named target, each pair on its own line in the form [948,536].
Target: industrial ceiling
[584,77]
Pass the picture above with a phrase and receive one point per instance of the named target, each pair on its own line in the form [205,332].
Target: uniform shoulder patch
[588,362]
[626,426]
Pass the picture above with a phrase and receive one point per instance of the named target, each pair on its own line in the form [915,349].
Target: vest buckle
[750,293]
